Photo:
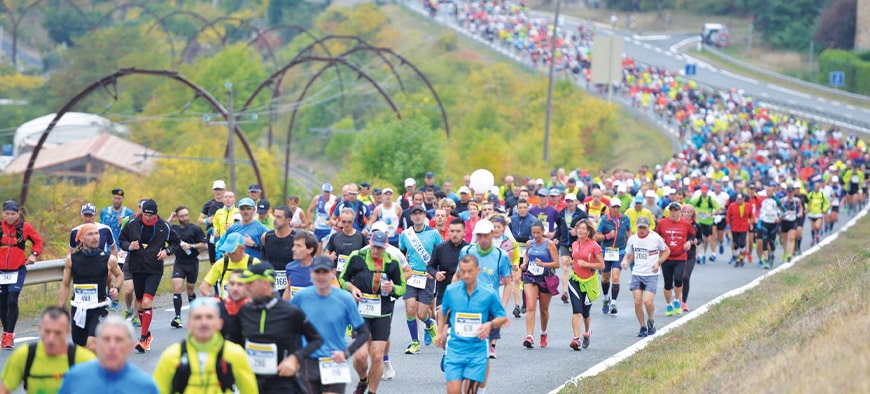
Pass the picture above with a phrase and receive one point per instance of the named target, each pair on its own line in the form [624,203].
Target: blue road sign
[691,69]
[837,78]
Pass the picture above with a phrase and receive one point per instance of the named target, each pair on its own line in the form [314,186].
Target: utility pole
[550,85]
[231,142]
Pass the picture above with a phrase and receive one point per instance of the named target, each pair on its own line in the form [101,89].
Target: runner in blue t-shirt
[418,242]
[495,269]
[334,355]
[473,310]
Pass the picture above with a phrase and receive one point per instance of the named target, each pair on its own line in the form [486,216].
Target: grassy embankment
[804,330]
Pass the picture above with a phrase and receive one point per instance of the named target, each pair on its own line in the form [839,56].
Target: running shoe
[413,348]
[115,306]
[733,262]
[529,343]
[8,341]
[712,257]
[544,341]
[750,258]
[612,307]
[127,314]
[575,344]
[176,323]
[586,340]
[136,321]
[144,343]
[721,249]
[389,372]
[348,332]
[650,327]
[491,353]
[430,332]
[361,388]
[564,298]
[685,307]
[788,259]
[641,334]
[605,306]
[669,310]
[517,311]
[678,309]
[523,309]
[766,266]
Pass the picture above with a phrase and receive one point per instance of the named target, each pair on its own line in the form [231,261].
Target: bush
[855,66]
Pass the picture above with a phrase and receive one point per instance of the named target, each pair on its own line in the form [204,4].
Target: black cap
[118,192]
[674,206]
[263,206]
[149,206]
[365,185]
[430,174]
[322,263]
[416,208]
[254,188]
[10,205]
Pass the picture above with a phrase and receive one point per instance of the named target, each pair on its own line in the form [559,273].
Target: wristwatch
[34,254]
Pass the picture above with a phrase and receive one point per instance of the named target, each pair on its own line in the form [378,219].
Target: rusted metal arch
[360,43]
[199,17]
[16,22]
[144,8]
[212,24]
[404,61]
[330,62]
[111,81]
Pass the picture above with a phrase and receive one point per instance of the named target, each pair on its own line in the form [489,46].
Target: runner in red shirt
[678,234]
[14,234]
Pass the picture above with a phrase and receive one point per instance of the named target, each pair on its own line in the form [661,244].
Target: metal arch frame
[212,24]
[330,62]
[402,59]
[111,81]
[16,22]
[147,10]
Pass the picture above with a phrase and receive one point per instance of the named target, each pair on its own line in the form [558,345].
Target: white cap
[379,226]
[570,197]
[650,194]
[835,179]
[410,182]
[464,189]
[494,190]
[621,189]
[763,193]
[218,184]
[726,179]
[387,190]
[483,226]
[615,202]
[539,181]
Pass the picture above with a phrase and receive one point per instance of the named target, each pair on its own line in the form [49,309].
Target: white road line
[657,49]
[852,107]
[184,308]
[647,46]
[764,94]
[822,100]
[669,53]
[789,91]
[792,102]
[626,39]
[640,345]
[653,37]
[836,103]
[738,76]
[679,57]
[676,47]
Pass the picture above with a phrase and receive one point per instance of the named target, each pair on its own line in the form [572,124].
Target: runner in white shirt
[648,251]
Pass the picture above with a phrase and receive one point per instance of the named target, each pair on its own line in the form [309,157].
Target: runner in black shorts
[149,240]
[186,261]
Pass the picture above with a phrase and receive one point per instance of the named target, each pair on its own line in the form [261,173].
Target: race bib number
[332,372]
[641,255]
[8,277]
[370,305]
[263,357]
[417,280]
[611,254]
[321,219]
[340,262]
[854,179]
[535,269]
[280,280]
[467,325]
[790,215]
[85,295]
[718,218]
[703,215]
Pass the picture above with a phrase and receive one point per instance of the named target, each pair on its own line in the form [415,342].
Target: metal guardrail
[772,74]
[49,271]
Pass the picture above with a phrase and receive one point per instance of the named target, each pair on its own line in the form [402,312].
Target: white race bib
[280,280]
[263,357]
[790,215]
[703,215]
[640,255]
[321,220]
[332,372]
[8,277]
[611,254]
[85,295]
[340,262]
[467,324]
[535,269]
[370,305]
[417,280]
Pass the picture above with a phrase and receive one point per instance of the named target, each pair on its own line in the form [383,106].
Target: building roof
[107,148]
[71,127]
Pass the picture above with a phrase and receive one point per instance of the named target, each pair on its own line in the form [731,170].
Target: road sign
[691,69]
[837,78]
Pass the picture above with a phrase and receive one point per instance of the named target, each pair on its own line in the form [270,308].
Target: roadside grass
[804,330]
[35,298]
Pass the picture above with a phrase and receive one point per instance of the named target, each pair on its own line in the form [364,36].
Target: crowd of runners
[463,258]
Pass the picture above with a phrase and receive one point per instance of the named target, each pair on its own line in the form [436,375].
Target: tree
[787,24]
[397,149]
[837,25]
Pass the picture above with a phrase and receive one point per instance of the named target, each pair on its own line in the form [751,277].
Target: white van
[715,34]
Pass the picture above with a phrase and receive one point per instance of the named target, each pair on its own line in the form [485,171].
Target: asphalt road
[517,369]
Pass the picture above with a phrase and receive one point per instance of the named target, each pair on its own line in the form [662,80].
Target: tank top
[278,251]
[89,270]
[769,211]
[321,214]
[390,217]
[538,251]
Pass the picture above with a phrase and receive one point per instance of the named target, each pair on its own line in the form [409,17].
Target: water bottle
[186,251]
[384,279]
